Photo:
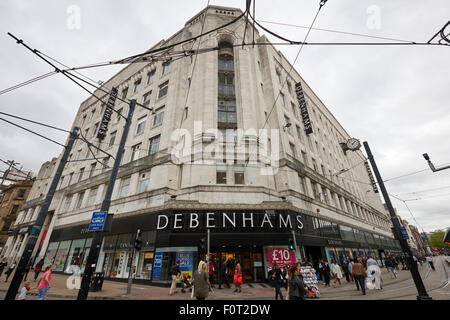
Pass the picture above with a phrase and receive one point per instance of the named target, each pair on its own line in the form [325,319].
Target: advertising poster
[279,255]
[186,263]
[157,265]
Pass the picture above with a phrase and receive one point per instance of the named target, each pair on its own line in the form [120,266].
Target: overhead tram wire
[35,122]
[14,124]
[25,83]
[414,218]
[88,144]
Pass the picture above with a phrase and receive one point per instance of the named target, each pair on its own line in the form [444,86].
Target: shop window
[61,255]
[74,258]
[51,253]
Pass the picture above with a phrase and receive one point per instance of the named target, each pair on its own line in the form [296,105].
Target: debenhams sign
[227,220]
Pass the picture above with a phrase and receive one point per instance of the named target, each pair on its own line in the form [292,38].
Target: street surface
[402,288]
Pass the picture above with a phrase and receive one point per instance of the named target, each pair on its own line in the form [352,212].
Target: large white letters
[177,220]
[209,218]
[159,220]
[193,219]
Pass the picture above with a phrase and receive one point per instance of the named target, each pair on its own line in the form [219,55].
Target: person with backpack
[174,271]
[10,270]
[275,278]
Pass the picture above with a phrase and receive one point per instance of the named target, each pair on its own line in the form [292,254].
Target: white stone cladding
[257,86]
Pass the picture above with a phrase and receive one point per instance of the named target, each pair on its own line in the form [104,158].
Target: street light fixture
[432,167]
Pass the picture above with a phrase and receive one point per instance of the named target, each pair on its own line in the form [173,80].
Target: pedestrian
[174,271]
[38,268]
[321,271]
[237,279]
[336,272]
[284,275]
[11,268]
[326,272]
[24,290]
[3,264]
[390,267]
[359,273]
[297,290]
[186,283]
[44,283]
[345,268]
[201,282]
[211,277]
[275,278]
[349,269]
[223,274]
[374,269]
[430,262]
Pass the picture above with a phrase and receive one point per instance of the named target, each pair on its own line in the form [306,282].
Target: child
[186,283]
[23,291]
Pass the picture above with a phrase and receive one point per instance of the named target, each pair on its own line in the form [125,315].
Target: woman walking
[237,277]
[336,271]
[201,282]
[297,289]
[11,268]
[44,283]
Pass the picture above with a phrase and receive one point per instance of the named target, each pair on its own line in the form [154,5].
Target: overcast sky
[394,97]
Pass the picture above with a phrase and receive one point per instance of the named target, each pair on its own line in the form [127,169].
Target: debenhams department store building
[318,193]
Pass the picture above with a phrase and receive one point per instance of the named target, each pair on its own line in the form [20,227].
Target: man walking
[359,274]
[174,271]
[390,267]
[223,274]
[430,262]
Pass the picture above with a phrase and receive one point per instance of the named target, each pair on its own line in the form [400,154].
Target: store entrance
[251,261]
[313,253]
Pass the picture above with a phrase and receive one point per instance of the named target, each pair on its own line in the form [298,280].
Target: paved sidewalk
[113,290]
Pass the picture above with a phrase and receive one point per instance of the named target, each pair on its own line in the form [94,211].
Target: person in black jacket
[297,290]
[325,268]
[275,279]
[3,264]
[223,274]
[174,271]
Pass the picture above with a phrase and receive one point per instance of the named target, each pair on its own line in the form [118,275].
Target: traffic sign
[97,221]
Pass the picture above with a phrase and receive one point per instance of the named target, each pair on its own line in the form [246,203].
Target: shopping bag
[370,284]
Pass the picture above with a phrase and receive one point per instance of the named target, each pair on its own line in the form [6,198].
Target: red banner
[279,255]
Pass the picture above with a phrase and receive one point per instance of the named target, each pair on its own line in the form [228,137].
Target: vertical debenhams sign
[107,114]
[303,108]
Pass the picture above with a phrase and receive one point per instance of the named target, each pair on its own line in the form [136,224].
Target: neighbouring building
[253,189]
[11,200]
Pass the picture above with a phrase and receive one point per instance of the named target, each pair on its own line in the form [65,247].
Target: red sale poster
[279,255]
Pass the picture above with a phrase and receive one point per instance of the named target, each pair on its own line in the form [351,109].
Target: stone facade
[307,179]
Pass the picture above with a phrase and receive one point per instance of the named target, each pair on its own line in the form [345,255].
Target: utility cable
[33,132]
[35,122]
[88,144]
[22,84]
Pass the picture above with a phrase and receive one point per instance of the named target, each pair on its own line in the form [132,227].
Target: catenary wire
[22,84]
[35,122]
[14,124]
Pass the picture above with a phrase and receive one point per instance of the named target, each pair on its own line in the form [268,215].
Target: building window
[135,151]
[80,200]
[289,86]
[137,85]
[239,175]
[166,67]
[146,98]
[151,77]
[144,178]
[124,92]
[14,209]
[283,102]
[91,172]
[287,125]
[163,89]
[70,179]
[80,177]
[305,158]
[294,154]
[186,113]
[154,144]
[141,125]
[95,129]
[302,184]
[105,162]
[92,197]
[294,110]
[119,112]
[21,193]
[279,77]
[112,138]
[314,164]
[92,115]
[221,174]
[159,116]
[227,118]
[124,187]
[299,132]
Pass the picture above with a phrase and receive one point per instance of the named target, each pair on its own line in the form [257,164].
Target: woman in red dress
[237,277]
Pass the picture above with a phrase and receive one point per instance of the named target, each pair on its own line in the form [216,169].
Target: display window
[145,265]
[61,255]
[74,258]
[51,253]
[84,255]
